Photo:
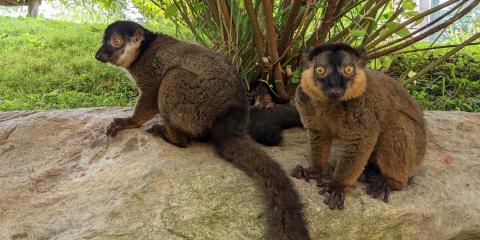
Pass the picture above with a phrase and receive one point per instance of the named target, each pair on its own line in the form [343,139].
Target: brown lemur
[375,119]
[200,96]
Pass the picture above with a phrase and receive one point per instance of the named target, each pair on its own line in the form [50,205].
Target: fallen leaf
[447,159]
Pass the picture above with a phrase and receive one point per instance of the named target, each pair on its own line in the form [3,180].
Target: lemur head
[334,71]
[123,42]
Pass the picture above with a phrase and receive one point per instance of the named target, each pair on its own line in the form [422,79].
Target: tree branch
[273,49]
[426,34]
[432,48]
[409,21]
[259,38]
[289,27]
[444,57]
[321,33]
[456,7]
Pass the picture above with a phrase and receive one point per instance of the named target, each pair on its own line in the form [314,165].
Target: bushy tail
[265,126]
[285,218]
[284,214]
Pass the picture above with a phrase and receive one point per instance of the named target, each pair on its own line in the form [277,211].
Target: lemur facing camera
[380,127]
[199,97]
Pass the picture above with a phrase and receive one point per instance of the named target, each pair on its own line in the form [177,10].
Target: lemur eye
[117,42]
[320,71]
[348,70]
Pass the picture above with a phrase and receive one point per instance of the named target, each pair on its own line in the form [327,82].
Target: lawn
[51,64]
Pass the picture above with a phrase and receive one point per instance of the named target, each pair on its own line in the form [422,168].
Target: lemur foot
[119,124]
[336,198]
[377,185]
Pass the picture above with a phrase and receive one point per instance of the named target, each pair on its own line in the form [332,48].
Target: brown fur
[376,121]
[201,96]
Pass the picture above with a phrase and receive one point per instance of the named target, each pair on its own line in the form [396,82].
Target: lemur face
[333,71]
[121,43]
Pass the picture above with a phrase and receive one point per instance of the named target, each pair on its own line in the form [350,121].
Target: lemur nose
[101,56]
[337,91]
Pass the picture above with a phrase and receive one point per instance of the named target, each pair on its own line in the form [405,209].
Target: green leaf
[387,61]
[403,32]
[411,13]
[295,76]
[409,5]
[357,32]
[171,11]
[391,25]
[411,74]
[199,7]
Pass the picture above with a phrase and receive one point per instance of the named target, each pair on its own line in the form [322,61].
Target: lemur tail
[284,216]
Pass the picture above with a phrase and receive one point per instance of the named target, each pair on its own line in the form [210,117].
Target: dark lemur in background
[265,126]
[199,96]
[378,123]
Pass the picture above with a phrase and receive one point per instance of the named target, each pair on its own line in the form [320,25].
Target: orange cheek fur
[357,87]
[308,86]
[129,55]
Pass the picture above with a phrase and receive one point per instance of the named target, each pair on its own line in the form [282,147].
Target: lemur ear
[138,35]
[362,56]
[306,61]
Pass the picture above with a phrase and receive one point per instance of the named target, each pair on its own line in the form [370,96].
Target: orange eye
[348,70]
[117,41]
[320,71]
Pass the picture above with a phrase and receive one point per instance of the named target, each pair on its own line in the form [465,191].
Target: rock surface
[62,178]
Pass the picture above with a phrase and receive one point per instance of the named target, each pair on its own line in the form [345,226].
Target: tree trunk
[33,6]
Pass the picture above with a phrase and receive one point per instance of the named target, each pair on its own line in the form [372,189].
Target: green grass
[51,65]
[454,85]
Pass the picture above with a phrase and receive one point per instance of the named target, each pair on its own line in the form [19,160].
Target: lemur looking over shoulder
[199,96]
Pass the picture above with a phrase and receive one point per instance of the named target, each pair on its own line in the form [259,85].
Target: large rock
[62,178]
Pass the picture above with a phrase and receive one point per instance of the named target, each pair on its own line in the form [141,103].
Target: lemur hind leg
[376,182]
[394,157]
[170,134]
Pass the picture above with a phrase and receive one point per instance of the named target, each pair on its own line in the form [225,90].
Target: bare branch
[426,34]
[395,14]
[456,7]
[321,33]
[289,26]
[256,28]
[432,48]
[273,49]
[443,58]
[409,21]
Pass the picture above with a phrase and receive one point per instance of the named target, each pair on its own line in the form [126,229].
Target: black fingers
[300,173]
[336,198]
[116,125]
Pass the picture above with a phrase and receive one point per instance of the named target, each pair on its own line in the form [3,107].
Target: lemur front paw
[306,173]
[336,198]
[119,124]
